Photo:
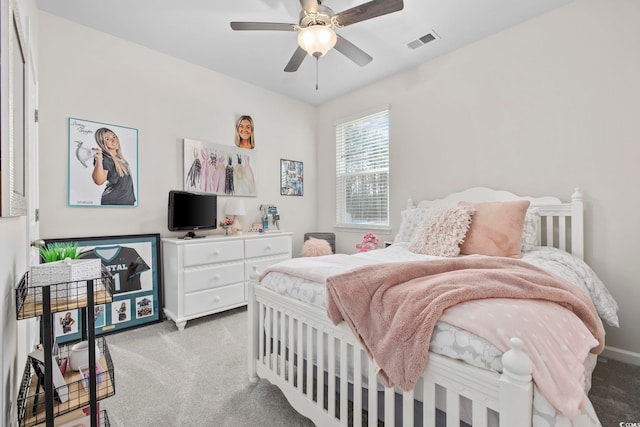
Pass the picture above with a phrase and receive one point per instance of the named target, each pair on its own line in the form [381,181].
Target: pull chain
[317,57]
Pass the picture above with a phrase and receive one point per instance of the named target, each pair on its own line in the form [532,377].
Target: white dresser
[208,275]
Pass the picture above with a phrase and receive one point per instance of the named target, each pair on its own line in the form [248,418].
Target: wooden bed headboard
[561,223]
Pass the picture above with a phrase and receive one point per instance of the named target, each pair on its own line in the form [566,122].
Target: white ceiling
[198,31]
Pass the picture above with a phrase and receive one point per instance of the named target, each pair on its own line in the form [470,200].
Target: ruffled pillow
[442,231]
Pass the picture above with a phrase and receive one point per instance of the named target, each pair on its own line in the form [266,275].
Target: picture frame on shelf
[291,178]
[135,263]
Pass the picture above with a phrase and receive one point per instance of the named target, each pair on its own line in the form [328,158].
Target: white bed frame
[273,351]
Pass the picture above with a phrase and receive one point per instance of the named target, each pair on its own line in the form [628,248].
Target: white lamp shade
[235,207]
[317,39]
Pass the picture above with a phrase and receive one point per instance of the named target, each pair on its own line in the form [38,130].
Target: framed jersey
[136,285]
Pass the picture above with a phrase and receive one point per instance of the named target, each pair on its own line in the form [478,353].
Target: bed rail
[327,376]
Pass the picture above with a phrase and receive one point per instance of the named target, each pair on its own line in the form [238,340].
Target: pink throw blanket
[393,308]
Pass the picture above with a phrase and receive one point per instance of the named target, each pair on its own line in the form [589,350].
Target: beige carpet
[198,377]
[194,377]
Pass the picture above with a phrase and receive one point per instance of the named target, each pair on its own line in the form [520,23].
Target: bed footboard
[328,377]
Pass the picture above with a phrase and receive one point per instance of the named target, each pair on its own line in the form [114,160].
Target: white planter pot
[79,355]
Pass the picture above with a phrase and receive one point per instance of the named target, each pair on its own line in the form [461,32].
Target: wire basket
[63,296]
[31,395]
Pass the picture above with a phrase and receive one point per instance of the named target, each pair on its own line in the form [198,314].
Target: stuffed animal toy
[316,247]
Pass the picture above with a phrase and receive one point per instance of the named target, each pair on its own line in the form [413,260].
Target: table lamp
[235,208]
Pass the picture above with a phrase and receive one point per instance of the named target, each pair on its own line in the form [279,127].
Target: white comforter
[460,344]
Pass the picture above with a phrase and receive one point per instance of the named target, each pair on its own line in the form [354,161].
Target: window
[362,170]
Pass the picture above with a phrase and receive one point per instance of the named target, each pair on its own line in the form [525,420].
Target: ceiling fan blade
[352,51]
[311,6]
[296,60]
[368,10]
[262,26]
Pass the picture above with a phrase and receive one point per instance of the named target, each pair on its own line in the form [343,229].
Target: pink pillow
[496,228]
[316,247]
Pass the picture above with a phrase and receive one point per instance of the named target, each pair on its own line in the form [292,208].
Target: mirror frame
[14,177]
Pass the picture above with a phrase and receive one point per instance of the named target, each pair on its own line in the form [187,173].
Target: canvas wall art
[221,169]
[103,164]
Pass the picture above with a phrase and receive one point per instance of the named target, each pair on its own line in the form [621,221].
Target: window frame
[340,175]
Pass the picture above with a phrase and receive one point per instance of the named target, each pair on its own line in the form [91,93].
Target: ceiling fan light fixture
[317,40]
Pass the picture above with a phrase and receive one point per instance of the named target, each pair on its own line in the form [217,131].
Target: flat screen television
[191,211]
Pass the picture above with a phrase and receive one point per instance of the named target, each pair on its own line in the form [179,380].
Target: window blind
[362,170]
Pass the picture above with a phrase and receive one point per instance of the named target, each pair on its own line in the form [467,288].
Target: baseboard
[621,355]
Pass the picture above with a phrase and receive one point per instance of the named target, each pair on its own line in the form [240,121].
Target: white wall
[13,232]
[90,75]
[538,109]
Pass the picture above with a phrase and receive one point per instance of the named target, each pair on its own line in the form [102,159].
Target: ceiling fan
[316,29]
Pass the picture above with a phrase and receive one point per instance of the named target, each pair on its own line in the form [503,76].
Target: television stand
[191,235]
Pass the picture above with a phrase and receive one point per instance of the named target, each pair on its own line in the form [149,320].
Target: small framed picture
[65,324]
[121,311]
[291,178]
[99,315]
[144,306]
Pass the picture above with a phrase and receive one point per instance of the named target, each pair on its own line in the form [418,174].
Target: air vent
[421,41]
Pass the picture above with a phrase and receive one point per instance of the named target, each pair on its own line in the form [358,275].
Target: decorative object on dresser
[235,208]
[226,224]
[134,261]
[298,343]
[210,275]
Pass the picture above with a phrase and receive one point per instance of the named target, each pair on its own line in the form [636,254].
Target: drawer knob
[216,298]
[216,252]
[268,247]
[216,277]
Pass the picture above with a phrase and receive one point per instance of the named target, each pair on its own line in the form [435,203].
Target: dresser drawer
[261,265]
[212,299]
[210,252]
[265,246]
[197,279]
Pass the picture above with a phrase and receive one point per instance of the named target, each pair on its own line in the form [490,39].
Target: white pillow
[411,219]
[578,272]
[530,230]
[442,231]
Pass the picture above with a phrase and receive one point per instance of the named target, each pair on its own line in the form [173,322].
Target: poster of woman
[103,164]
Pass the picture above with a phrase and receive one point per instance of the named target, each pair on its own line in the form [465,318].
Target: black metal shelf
[36,300]
[31,397]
